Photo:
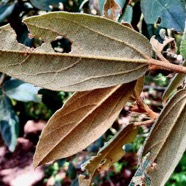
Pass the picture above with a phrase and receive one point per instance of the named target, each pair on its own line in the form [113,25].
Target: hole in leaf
[61,45]
[159,20]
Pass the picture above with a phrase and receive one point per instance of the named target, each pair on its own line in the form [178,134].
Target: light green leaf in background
[183,43]
[9,126]
[167,10]
[121,3]
[121,55]
[6,9]
[127,15]
[21,91]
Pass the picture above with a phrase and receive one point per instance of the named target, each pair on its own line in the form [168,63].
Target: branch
[145,107]
[141,123]
[166,65]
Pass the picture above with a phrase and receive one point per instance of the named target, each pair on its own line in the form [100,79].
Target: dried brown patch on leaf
[166,142]
[109,154]
[157,46]
[120,56]
[82,120]
[112,10]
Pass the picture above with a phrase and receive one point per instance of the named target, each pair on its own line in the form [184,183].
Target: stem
[141,123]
[145,107]
[167,66]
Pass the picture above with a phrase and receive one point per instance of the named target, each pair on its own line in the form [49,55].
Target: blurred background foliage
[22,102]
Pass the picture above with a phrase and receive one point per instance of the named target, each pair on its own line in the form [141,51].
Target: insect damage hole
[61,45]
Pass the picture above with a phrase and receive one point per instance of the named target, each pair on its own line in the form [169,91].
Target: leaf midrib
[118,59]
[94,31]
[89,113]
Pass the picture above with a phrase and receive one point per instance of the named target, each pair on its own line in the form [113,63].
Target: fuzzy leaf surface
[167,140]
[120,55]
[110,153]
[82,120]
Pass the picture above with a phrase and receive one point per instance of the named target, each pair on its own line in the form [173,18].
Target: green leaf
[141,177]
[9,126]
[121,55]
[46,4]
[12,84]
[183,44]
[167,10]
[81,121]
[21,91]
[173,85]
[127,15]
[110,153]
[6,8]
[167,140]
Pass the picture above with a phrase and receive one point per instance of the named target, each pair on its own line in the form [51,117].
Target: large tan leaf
[104,53]
[167,140]
[109,154]
[82,120]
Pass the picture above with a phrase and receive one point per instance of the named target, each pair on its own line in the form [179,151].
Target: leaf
[21,91]
[110,153]
[157,46]
[121,3]
[121,55]
[139,87]
[127,15]
[167,10]
[6,9]
[183,44]
[9,126]
[167,140]
[112,10]
[173,85]
[1,141]
[82,120]
[46,4]
[141,178]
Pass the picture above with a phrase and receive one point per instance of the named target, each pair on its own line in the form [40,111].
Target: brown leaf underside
[82,120]
[109,154]
[119,56]
[167,140]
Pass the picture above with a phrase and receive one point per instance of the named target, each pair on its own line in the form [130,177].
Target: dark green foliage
[171,13]
[47,4]
[9,126]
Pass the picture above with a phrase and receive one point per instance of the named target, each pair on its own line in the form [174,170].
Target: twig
[166,65]
[145,107]
[141,123]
